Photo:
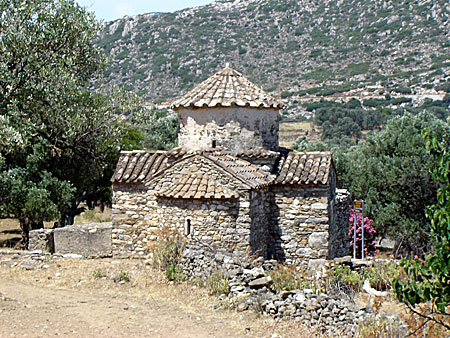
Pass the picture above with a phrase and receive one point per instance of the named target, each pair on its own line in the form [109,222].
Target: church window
[187,227]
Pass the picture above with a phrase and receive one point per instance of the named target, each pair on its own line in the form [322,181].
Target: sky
[108,10]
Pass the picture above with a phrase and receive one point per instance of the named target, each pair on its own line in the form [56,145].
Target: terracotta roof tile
[227,88]
[196,186]
[293,168]
[236,163]
[304,168]
[257,153]
[252,175]
[138,166]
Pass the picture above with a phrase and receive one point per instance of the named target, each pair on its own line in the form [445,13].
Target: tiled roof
[304,168]
[180,152]
[294,168]
[227,88]
[235,163]
[139,166]
[243,170]
[257,153]
[196,186]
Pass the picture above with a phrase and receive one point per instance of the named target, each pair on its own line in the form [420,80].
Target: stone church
[228,185]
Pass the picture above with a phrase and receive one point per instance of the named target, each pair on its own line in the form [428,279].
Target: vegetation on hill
[289,47]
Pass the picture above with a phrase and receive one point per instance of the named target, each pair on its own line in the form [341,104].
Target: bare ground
[290,131]
[69,297]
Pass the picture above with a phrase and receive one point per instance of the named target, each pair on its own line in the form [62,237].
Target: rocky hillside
[289,47]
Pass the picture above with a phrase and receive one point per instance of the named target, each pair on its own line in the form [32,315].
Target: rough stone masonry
[228,185]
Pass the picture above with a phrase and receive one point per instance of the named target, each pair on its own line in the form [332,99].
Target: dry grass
[94,216]
[291,131]
[95,277]
[9,232]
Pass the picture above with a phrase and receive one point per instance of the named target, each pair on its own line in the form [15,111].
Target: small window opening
[214,144]
[187,227]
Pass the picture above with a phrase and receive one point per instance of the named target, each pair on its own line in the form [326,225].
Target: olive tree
[428,281]
[391,172]
[59,137]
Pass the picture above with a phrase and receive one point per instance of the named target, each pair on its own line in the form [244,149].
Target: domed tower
[227,111]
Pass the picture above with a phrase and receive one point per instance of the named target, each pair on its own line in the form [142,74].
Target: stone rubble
[251,288]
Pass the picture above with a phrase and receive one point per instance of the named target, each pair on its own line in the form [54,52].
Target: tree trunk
[69,216]
[26,225]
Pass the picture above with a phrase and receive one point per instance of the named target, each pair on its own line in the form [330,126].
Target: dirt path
[56,296]
[37,312]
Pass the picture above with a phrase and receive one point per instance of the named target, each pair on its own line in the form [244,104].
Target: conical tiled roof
[227,88]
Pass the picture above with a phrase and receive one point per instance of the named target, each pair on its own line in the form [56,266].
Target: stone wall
[88,240]
[213,222]
[230,224]
[41,239]
[238,224]
[336,230]
[299,224]
[232,129]
[259,215]
[288,223]
[132,228]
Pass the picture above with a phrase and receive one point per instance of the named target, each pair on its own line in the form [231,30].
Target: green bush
[390,171]
[99,273]
[217,283]
[287,278]
[174,272]
[167,253]
[380,276]
[160,132]
[428,281]
[89,215]
[122,276]
[345,277]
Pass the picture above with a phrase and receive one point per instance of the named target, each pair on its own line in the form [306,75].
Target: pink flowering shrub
[370,248]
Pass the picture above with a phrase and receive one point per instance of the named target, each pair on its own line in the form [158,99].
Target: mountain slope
[285,46]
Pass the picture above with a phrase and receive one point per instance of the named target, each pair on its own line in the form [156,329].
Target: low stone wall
[332,315]
[88,240]
[41,239]
[250,288]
